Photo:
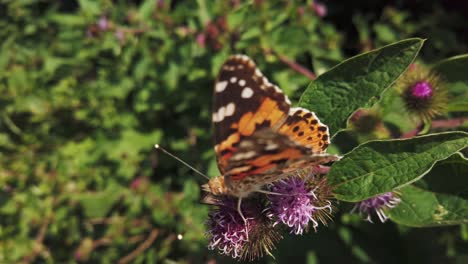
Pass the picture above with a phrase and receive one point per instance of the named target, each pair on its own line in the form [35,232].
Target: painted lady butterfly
[259,137]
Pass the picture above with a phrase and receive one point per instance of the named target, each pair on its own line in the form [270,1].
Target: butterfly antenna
[156,146]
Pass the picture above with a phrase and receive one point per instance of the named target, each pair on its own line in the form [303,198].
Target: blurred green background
[88,87]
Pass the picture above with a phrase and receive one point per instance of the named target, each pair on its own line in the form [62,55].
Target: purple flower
[201,40]
[377,205]
[103,23]
[422,90]
[293,205]
[120,35]
[320,9]
[227,230]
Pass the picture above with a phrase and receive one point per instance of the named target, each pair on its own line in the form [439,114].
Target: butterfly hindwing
[304,128]
[265,157]
[244,102]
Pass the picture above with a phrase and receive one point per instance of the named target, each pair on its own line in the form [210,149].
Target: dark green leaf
[336,94]
[440,198]
[452,71]
[422,208]
[381,166]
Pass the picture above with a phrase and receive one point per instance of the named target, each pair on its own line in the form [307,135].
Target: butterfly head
[215,186]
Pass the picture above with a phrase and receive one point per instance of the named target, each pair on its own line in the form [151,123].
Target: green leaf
[453,69]
[238,16]
[323,64]
[380,166]
[90,7]
[453,72]
[146,9]
[422,208]
[203,13]
[440,198]
[449,176]
[352,84]
[98,204]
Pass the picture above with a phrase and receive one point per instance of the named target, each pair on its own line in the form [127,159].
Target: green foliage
[452,71]
[88,87]
[381,166]
[439,199]
[336,94]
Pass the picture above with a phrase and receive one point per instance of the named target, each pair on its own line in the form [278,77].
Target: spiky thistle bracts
[423,92]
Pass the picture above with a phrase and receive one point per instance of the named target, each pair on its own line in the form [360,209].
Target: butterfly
[259,137]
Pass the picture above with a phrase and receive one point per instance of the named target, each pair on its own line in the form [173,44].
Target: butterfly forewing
[244,102]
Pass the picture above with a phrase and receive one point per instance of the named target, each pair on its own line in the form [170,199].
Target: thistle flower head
[377,205]
[231,236]
[296,204]
[227,230]
[423,92]
[365,121]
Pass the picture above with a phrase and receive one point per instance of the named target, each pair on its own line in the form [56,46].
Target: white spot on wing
[244,155]
[228,68]
[233,79]
[220,114]
[246,144]
[241,82]
[230,108]
[221,86]
[247,92]
[258,73]
[271,146]
[224,111]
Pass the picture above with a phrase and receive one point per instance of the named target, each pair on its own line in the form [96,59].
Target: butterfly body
[259,137]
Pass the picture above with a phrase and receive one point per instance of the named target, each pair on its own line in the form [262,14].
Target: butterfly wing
[265,157]
[244,102]
[304,128]
[258,136]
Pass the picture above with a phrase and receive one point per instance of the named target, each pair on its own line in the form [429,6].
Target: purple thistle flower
[377,205]
[422,90]
[295,208]
[424,93]
[227,230]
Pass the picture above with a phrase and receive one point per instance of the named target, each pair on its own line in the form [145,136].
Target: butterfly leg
[239,202]
[273,193]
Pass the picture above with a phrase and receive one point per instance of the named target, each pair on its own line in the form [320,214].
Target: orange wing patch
[267,115]
[304,128]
